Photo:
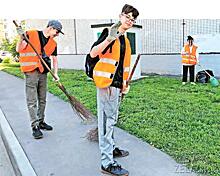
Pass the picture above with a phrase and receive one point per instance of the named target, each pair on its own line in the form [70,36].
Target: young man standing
[110,76]
[190,57]
[35,73]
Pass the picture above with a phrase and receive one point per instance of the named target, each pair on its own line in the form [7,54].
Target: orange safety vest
[28,59]
[106,67]
[189,57]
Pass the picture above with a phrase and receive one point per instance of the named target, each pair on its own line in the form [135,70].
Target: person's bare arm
[21,44]
[96,50]
[55,67]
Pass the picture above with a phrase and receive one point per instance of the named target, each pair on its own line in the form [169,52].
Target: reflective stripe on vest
[27,54]
[188,60]
[187,56]
[27,63]
[126,69]
[103,74]
[109,61]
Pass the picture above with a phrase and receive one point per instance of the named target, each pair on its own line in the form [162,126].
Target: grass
[183,121]
[12,68]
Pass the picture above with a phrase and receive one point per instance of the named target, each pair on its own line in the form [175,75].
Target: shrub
[7,60]
[10,46]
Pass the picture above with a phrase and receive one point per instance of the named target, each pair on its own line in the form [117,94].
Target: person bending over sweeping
[190,57]
[110,76]
[36,73]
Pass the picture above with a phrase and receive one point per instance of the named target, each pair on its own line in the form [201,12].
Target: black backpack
[91,62]
[203,77]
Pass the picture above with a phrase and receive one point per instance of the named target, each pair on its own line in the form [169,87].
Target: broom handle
[131,75]
[204,70]
[133,69]
[28,41]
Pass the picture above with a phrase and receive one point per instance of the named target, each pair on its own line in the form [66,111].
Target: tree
[10,46]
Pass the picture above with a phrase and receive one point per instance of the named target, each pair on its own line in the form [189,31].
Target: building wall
[171,64]
[168,35]
[158,35]
[2,30]
[78,36]
[161,35]
[151,64]
[7,30]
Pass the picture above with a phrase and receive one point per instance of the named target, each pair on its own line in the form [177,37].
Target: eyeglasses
[128,17]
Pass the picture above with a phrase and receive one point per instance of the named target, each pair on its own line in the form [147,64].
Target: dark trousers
[191,69]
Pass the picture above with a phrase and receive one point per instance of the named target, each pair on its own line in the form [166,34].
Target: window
[131,37]
[98,34]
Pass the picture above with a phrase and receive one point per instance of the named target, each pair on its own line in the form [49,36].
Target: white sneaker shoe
[192,83]
[183,83]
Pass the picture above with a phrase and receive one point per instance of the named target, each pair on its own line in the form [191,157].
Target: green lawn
[183,121]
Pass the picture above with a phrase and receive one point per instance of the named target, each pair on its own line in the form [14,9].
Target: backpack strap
[101,38]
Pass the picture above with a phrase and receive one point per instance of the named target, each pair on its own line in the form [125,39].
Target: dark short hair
[189,38]
[130,9]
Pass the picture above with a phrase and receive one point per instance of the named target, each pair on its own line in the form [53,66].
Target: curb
[19,160]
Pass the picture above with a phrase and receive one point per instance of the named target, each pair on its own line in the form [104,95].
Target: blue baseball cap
[56,25]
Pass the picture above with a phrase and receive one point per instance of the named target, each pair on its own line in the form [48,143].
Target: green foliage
[182,121]
[10,46]
[7,65]
[7,60]
[12,68]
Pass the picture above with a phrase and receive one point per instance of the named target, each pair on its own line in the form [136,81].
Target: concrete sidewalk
[64,151]
[5,164]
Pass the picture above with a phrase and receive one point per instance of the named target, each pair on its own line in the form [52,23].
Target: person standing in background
[190,57]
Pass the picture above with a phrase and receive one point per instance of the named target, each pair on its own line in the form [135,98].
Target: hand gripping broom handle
[28,41]
[132,72]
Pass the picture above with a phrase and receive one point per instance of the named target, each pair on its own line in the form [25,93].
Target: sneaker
[183,83]
[120,153]
[116,170]
[45,126]
[37,133]
[192,83]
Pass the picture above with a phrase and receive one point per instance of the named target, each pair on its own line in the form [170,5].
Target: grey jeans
[36,90]
[107,107]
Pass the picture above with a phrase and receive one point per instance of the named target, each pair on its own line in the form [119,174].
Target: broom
[92,134]
[79,108]
[214,82]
